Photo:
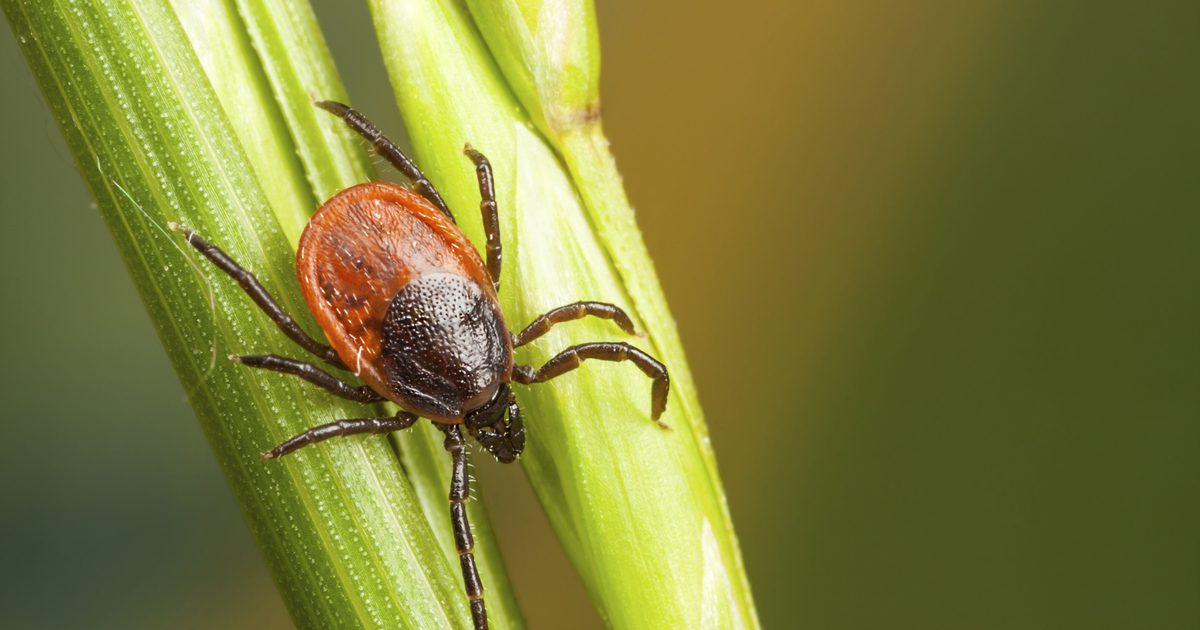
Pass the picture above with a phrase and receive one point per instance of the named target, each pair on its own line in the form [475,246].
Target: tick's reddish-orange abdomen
[360,249]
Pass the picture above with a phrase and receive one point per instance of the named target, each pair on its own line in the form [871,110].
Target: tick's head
[491,413]
[503,439]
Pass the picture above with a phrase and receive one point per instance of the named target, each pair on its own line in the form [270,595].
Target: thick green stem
[189,117]
[640,511]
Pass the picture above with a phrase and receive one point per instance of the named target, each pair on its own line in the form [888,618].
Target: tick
[410,308]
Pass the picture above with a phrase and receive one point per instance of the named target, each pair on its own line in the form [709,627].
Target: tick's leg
[358,426]
[572,357]
[310,373]
[463,542]
[491,222]
[578,310]
[255,290]
[507,441]
[388,151]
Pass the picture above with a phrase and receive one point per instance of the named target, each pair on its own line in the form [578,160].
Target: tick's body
[405,301]
[410,308]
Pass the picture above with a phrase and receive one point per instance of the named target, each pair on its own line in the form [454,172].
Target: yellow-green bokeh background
[935,265]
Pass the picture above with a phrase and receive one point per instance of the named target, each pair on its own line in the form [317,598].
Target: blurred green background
[935,264]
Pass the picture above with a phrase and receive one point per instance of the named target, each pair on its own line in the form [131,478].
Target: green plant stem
[150,126]
[296,61]
[229,61]
[640,511]
[586,152]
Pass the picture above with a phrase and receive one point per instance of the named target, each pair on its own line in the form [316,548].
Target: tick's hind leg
[357,426]
[255,290]
[388,151]
[464,543]
[312,374]
[572,357]
[578,310]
